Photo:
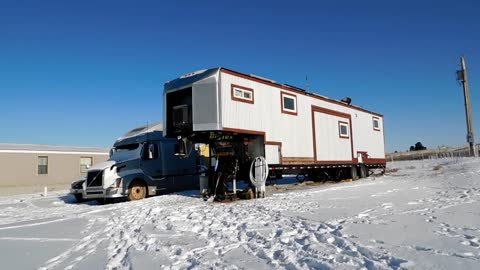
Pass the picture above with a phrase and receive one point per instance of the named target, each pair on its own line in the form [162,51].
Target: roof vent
[346,100]
[191,74]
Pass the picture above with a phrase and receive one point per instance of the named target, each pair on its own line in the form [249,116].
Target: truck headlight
[118,183]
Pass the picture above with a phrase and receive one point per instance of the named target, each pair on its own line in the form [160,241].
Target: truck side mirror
[149,151]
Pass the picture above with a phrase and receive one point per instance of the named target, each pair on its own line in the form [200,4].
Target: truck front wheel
[137,191]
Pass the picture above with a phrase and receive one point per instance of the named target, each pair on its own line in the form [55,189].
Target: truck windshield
[125,152]
[126,147]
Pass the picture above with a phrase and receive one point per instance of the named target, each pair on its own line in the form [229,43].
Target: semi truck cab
[142,163]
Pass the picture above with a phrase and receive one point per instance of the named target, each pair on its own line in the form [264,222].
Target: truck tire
[363,171]
[137,191]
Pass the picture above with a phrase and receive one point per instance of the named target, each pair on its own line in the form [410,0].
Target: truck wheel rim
[137,192]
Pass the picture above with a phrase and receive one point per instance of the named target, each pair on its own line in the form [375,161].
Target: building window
[85,163]
[343,130]
[289,103]
[42,165]
[376,123]
[243,94]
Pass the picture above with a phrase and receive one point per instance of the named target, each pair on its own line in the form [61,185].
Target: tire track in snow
[83,247]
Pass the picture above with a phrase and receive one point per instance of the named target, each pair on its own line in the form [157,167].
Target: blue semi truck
[142,163]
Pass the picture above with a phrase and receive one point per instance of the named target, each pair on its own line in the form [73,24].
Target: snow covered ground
[426,215]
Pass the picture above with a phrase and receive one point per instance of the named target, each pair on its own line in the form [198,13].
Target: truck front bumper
[109,193]
[75,191]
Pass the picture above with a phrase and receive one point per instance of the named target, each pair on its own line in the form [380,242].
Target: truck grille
[95,179]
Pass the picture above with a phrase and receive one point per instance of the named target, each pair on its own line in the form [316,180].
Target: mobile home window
[42,165]
[376,123]
[289,103]
[85,163]
[240,93]
[343,130]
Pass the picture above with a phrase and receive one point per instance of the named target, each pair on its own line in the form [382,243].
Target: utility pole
[462,77]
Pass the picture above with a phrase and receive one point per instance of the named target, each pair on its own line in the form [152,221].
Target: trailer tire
[354,173]
[363,171]
[137,191]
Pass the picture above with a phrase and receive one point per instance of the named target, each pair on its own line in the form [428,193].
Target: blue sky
[84,72]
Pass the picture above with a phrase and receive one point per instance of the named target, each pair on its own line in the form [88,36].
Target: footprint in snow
[337,222]
[377,241]
[387,205]
[364,213]
[420,248]
[447,231]
[414,203]
[471,241]
[430,219]
[470,244]
[464,255]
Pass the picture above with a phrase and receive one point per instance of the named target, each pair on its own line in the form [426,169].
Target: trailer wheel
[354,173]
[137,191]
[363,171]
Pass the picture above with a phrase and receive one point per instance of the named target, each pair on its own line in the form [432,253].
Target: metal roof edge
[33,148]
[292,88]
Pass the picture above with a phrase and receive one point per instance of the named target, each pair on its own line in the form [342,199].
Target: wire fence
[441,152]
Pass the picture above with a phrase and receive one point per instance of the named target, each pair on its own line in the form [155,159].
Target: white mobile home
[287,125]
[28,168]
